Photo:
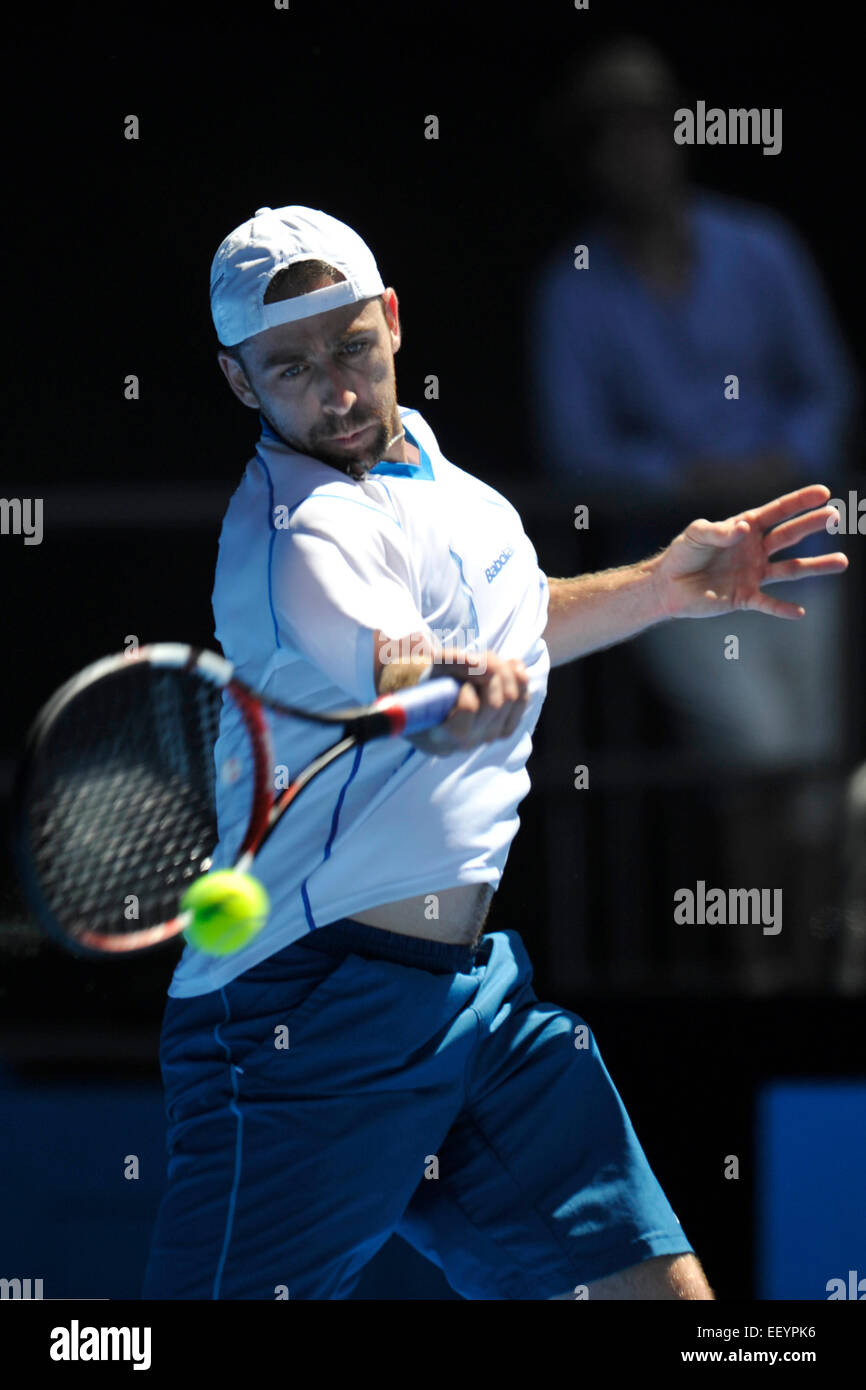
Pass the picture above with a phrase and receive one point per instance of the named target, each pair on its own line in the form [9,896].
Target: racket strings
[121,806]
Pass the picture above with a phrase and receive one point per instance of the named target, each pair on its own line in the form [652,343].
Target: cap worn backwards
[272,239]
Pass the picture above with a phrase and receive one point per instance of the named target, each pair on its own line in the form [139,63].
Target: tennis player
[374,1061]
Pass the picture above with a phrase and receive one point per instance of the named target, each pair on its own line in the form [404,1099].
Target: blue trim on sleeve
[273,531]
[393,508]
[466,589]
[308,911]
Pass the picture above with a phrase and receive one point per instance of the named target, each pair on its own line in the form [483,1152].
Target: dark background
[108,245]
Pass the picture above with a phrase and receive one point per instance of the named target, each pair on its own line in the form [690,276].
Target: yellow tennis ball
[228,909]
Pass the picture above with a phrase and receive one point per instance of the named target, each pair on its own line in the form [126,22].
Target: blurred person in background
[846,926]
[629,360]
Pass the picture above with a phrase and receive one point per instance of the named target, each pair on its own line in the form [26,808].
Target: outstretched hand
[716,567]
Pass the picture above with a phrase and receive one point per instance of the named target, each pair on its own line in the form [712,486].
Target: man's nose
[334,391]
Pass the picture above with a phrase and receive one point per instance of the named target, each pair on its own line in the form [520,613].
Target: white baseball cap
[272,239]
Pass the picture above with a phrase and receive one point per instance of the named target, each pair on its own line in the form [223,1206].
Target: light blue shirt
[311,563]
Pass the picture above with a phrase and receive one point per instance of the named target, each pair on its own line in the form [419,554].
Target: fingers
[781,508]
[795,569]
[775,608]
[716,533]
[490,704]
[503,697]
[800,568]
[790,532]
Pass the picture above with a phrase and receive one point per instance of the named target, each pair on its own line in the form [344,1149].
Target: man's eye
[353,349]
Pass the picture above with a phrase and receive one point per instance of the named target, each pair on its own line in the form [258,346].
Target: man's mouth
[349,439]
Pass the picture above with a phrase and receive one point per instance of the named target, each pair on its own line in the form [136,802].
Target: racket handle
[420,707]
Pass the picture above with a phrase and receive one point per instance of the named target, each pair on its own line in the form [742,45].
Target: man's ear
[392,317]
[237,379]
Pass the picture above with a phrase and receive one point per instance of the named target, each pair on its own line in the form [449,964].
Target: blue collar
[424,469]
[386,467]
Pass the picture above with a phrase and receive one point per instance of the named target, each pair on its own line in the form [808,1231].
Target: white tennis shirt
[310,564]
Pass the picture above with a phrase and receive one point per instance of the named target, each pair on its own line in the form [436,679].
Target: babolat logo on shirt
[501,559]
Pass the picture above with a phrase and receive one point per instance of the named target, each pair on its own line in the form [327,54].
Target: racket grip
[420,707]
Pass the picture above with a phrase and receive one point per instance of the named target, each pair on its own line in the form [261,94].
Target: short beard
[356,468]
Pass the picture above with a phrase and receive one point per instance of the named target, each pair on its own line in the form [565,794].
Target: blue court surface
[810,1200]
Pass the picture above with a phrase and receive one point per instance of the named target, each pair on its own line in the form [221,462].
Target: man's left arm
[712,567]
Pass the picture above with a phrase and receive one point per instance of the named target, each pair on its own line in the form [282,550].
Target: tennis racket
[115,796]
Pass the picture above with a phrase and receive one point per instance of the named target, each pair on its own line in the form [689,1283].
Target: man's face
[632,161]
[325,377]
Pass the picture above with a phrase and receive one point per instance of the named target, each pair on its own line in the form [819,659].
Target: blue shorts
[362,1082]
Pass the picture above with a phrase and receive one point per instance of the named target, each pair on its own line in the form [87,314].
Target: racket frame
[383,718]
